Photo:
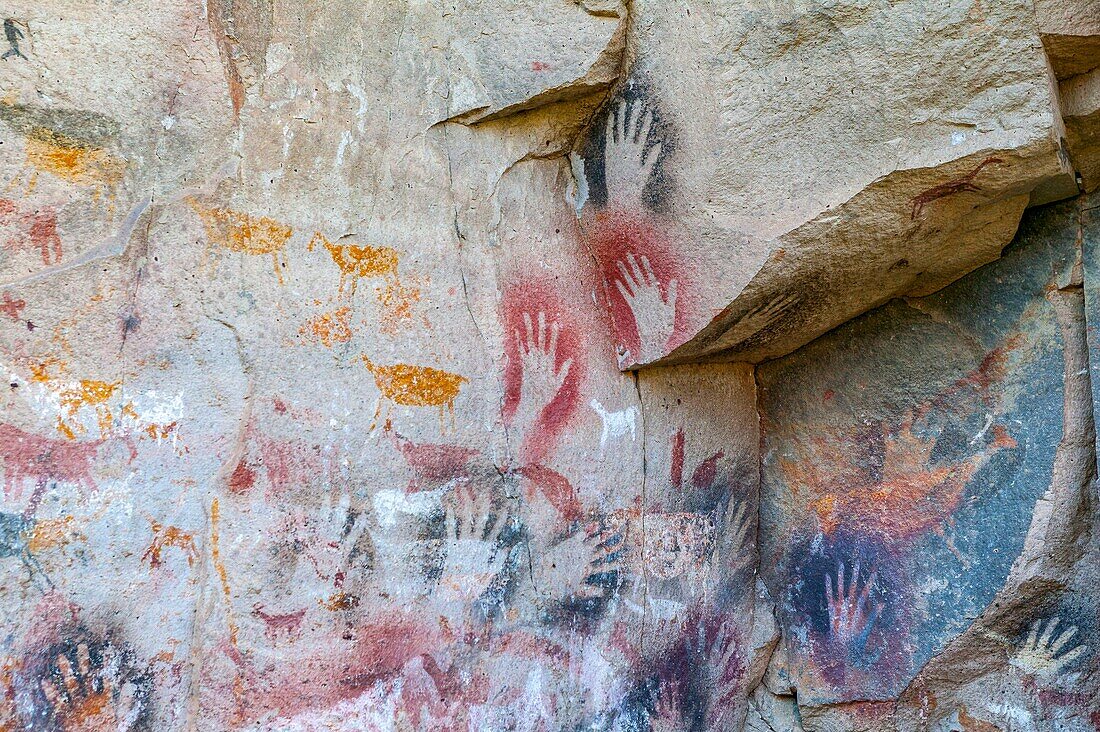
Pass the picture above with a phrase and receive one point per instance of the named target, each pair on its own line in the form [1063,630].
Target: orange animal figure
[51,533]
[357,261]
[241,232]
[415,386]
[74,162]
[87,393]
[168,536]
[69,144]
[329,328]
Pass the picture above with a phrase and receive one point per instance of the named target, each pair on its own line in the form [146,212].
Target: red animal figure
[950,188]
[289,623]
[39,227]
[433,464]
[25,456]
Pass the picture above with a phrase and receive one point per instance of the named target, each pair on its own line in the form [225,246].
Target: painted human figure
[13,34]
[38,228]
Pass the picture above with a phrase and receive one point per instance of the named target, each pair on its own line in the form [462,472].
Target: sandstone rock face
[397,366]
[809,161]
[930,501]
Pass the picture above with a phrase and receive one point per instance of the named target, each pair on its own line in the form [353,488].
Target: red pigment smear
[12,307]
[678,459]
[428,688]
[533,296]
[26,456]
[555,488]
[433,464]
[378,651]
[243,478]
[522,644]
[612,236]
[912,496]
[39,230]
[286,464]
[703,477]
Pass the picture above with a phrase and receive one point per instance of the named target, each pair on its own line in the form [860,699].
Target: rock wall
[418,365]
[929,501]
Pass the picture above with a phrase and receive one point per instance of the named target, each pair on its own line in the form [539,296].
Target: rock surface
[811,161]
[393,366]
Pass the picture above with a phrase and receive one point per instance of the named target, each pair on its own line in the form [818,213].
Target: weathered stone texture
[549,365]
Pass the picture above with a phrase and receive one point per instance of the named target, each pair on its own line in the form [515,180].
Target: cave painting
[756,320]
[905,491]
[853,611]
[1043,652]
[14,32]
[169,537]
[356,262]
[33,229]
[652,304]
[17,532]
[642,283]
[615,424]
[472,588]
[92,684]
[414,386]
[331,328]
[1049,651]
[86,393]
[544,367]
[906,494]
[30,459]
[236,231]
[71,145]
[12,307]
[964,183]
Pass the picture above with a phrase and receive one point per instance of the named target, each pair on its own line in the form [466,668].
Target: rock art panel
[929,496]
[323,427]
[314,321]
[778,205]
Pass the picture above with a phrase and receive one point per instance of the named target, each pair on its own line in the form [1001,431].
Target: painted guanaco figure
[357,261]
[414,386]
[87,393]
[69,144]
[241,232]
[950,188]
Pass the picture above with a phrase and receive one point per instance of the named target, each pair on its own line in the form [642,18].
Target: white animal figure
[615,424]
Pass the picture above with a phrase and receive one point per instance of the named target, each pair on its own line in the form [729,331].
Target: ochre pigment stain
[415,386]
[236,231]
[88,393]
[357,261]
[330,328]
